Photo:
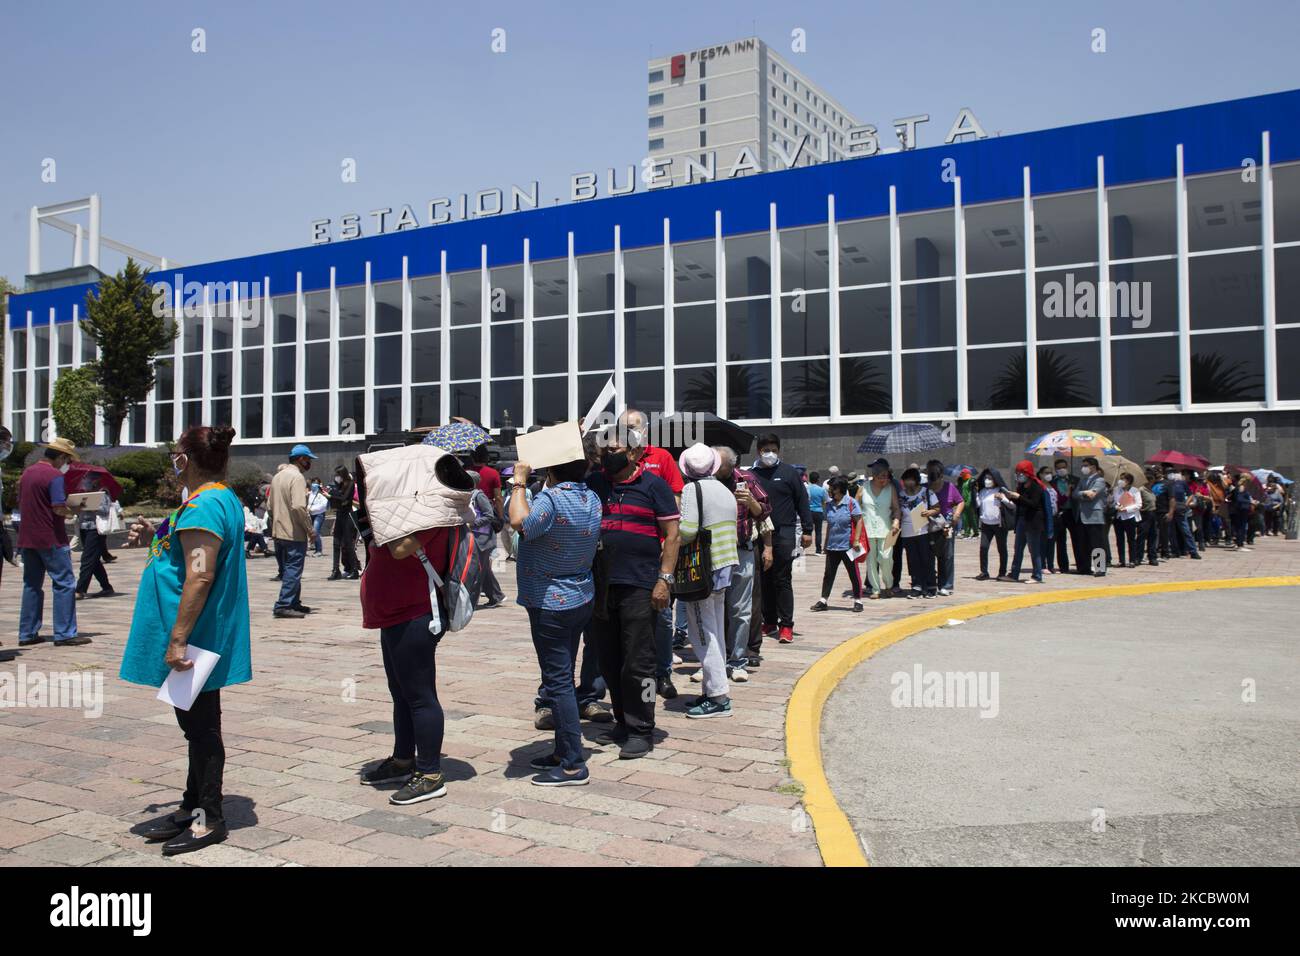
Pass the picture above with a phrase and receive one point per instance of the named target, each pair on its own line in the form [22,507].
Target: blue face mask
[177,468]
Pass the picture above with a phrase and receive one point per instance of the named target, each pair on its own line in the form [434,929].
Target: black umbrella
[686,428]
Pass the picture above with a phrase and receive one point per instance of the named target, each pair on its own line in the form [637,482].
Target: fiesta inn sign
[655,173]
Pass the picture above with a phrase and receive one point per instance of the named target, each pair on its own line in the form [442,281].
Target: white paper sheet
[604,398]
[181,687]
[857,552]
[556,445]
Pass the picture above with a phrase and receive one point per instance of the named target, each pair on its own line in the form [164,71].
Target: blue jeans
[292,554]
[591,686]
[317,522]
[1031,537]
[1184,525]
[740,608]
[664,642]
[58,562]
[555,638]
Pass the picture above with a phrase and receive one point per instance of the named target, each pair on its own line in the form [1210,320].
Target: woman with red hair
[1030,496]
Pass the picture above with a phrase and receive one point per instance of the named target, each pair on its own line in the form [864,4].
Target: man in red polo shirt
[43,538]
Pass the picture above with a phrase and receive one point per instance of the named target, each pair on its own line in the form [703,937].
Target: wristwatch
[667,578]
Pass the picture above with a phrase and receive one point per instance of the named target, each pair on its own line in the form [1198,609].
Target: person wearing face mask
[1030,498]
[1128,512]
[881,523]
[919,508]
[1053,521]
[43,538]
[1068,534]
[341,496]
[997,513]
[1148,537]
[1179,515]
[291,528]
[943,538]
[318,503]
[789,500]
[843,524]
[6,545]
[1090,499]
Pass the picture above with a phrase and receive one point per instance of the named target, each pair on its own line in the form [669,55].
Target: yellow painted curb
[836,841]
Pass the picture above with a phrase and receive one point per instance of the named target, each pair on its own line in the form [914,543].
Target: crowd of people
[623,558]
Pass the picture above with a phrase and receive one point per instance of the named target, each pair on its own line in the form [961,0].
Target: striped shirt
[745,520]
[557,546]
[719,507]
[630,525]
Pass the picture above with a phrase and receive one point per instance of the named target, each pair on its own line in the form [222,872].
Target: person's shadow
[240,813]
[452,770]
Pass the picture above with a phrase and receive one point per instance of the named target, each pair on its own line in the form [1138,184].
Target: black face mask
[614,462]
[935,475]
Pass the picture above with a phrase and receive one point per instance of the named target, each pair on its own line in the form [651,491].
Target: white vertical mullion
[1270,278]
[236,369]
[1031,301]
[336,355]
[1103,283]
[895,305]
[670,324]
[32,434]
[485,342]
[444,332]
[959,247]
[573,333]
[833,305]
[408,373]
[368,323]
[268,355]
[300,353]
[208,311]
[720,272]
[178,368]
[10,373]
[620,334]
[529,411]
[1184,285]
[774,306]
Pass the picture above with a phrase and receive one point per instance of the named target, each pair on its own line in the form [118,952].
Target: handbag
[693,576]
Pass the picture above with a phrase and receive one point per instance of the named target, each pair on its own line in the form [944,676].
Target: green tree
[7,289]
[76,393]
[122,321]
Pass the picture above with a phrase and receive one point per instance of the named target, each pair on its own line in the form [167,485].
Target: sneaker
[820,606]
[356,576]
[545,762]
[708,707]
[615,736]
[665,689]
[303,607]
[698,676]
[635,747]
[77,641]
[786,635]
[982,576]
[1197,557]
[676,660]
[559,777]
[596,712]
[681,638]
[755,661]
[768,629]
[289,612]
[945,592]
[739,675]
[544,719]
[857,606]
[334,576]
[874,596]
[389,771]
[419,788]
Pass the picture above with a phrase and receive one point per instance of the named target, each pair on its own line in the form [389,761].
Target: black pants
[345,538]
[756,608]
[990,533]
[778,588]
[833,561]
[202,727]
[1126,541]
[1065,528]
[920,561]
[625,646]
[818,518]
[1096,548]
[92,561]
[409,650]
[1148,536]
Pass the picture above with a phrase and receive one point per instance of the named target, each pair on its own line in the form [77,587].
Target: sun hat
[66,447]
[699,461]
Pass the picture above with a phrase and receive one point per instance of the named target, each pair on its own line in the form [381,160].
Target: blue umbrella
[952,471]
[457,437]
[1263,473]
[903,437]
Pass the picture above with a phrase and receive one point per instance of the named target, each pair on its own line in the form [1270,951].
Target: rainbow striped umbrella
[1072,440]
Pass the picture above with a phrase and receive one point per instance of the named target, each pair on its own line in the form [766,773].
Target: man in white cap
[43,538]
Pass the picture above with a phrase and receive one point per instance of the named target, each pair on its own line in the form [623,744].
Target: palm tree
[1214,380]
[1060,383]
[863,388]
[748,396]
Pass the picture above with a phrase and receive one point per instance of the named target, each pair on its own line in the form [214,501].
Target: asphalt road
[1119,734]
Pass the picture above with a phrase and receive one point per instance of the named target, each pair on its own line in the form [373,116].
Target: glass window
[87,349]
[193,387]
[695,333]
[1144,296]
[165,421]
[1069,376]
[250,417]
[695,389]
[19,392]
[995,379]
[643,339]
[595,282]
[1143,220]
[508,403]
[643,277]
[929,315]
[656,99]
[1228,368]
[551,287]
[223,327]
[1144,371]
[694,275]
[596,342]
[550,400]
[551,346]
[352,310]
[749,265]
[193,413]
[995,309]
[466,298]
[19,357]
[164,381]
[749,330]
[42,334]
[193,339]
[318,366]
[1286,293]
[466,401]
[426,405]
[426,357]
[42,387]
[645,390]
[221,374]
[749,391]
[388,360]
[865,386]
[507,296]
[864,251]
[352,410]
[589,387]
[251,372]
[426,303]
[285,309]
[805,259]
[806,389]
[508,351]
[656,76]
[926,244]
[1226,290]
[864,320]
[805,324]
[995,237]
[318,314]
[317,417]
[1288,357]
[466,356]
[1067,304]
[1286,203]
[283,372]
[1065,229]
[352,363]
[64,332]
[1223,212]
[388,307]
[930,382]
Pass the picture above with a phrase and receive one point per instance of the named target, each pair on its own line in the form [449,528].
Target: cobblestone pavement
[712,792]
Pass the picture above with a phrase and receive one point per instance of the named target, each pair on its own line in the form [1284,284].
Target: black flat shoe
[187,842]
[166,828]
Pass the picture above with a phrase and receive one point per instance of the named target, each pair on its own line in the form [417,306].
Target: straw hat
[65,447]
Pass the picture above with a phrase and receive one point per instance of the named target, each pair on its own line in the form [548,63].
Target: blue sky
[232,152]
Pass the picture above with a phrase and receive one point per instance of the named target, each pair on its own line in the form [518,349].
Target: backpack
[458,594]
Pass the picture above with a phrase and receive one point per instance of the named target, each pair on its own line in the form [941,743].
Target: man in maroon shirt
[43,539]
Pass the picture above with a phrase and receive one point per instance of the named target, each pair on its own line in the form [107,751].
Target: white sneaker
[945,592]
[739,675]
[676,660]
[698,676]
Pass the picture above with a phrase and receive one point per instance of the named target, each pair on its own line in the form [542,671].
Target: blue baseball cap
[298,451]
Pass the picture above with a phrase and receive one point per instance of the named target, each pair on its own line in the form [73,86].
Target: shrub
[246,481]
[145,468]
[73,405]
[130,491]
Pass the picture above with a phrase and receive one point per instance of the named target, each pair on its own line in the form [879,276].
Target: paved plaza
[712,793]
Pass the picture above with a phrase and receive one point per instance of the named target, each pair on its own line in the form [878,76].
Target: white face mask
[64,467]
[1086,470]
[769,458]
[1121,483]
[988,482]
[1061,472]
